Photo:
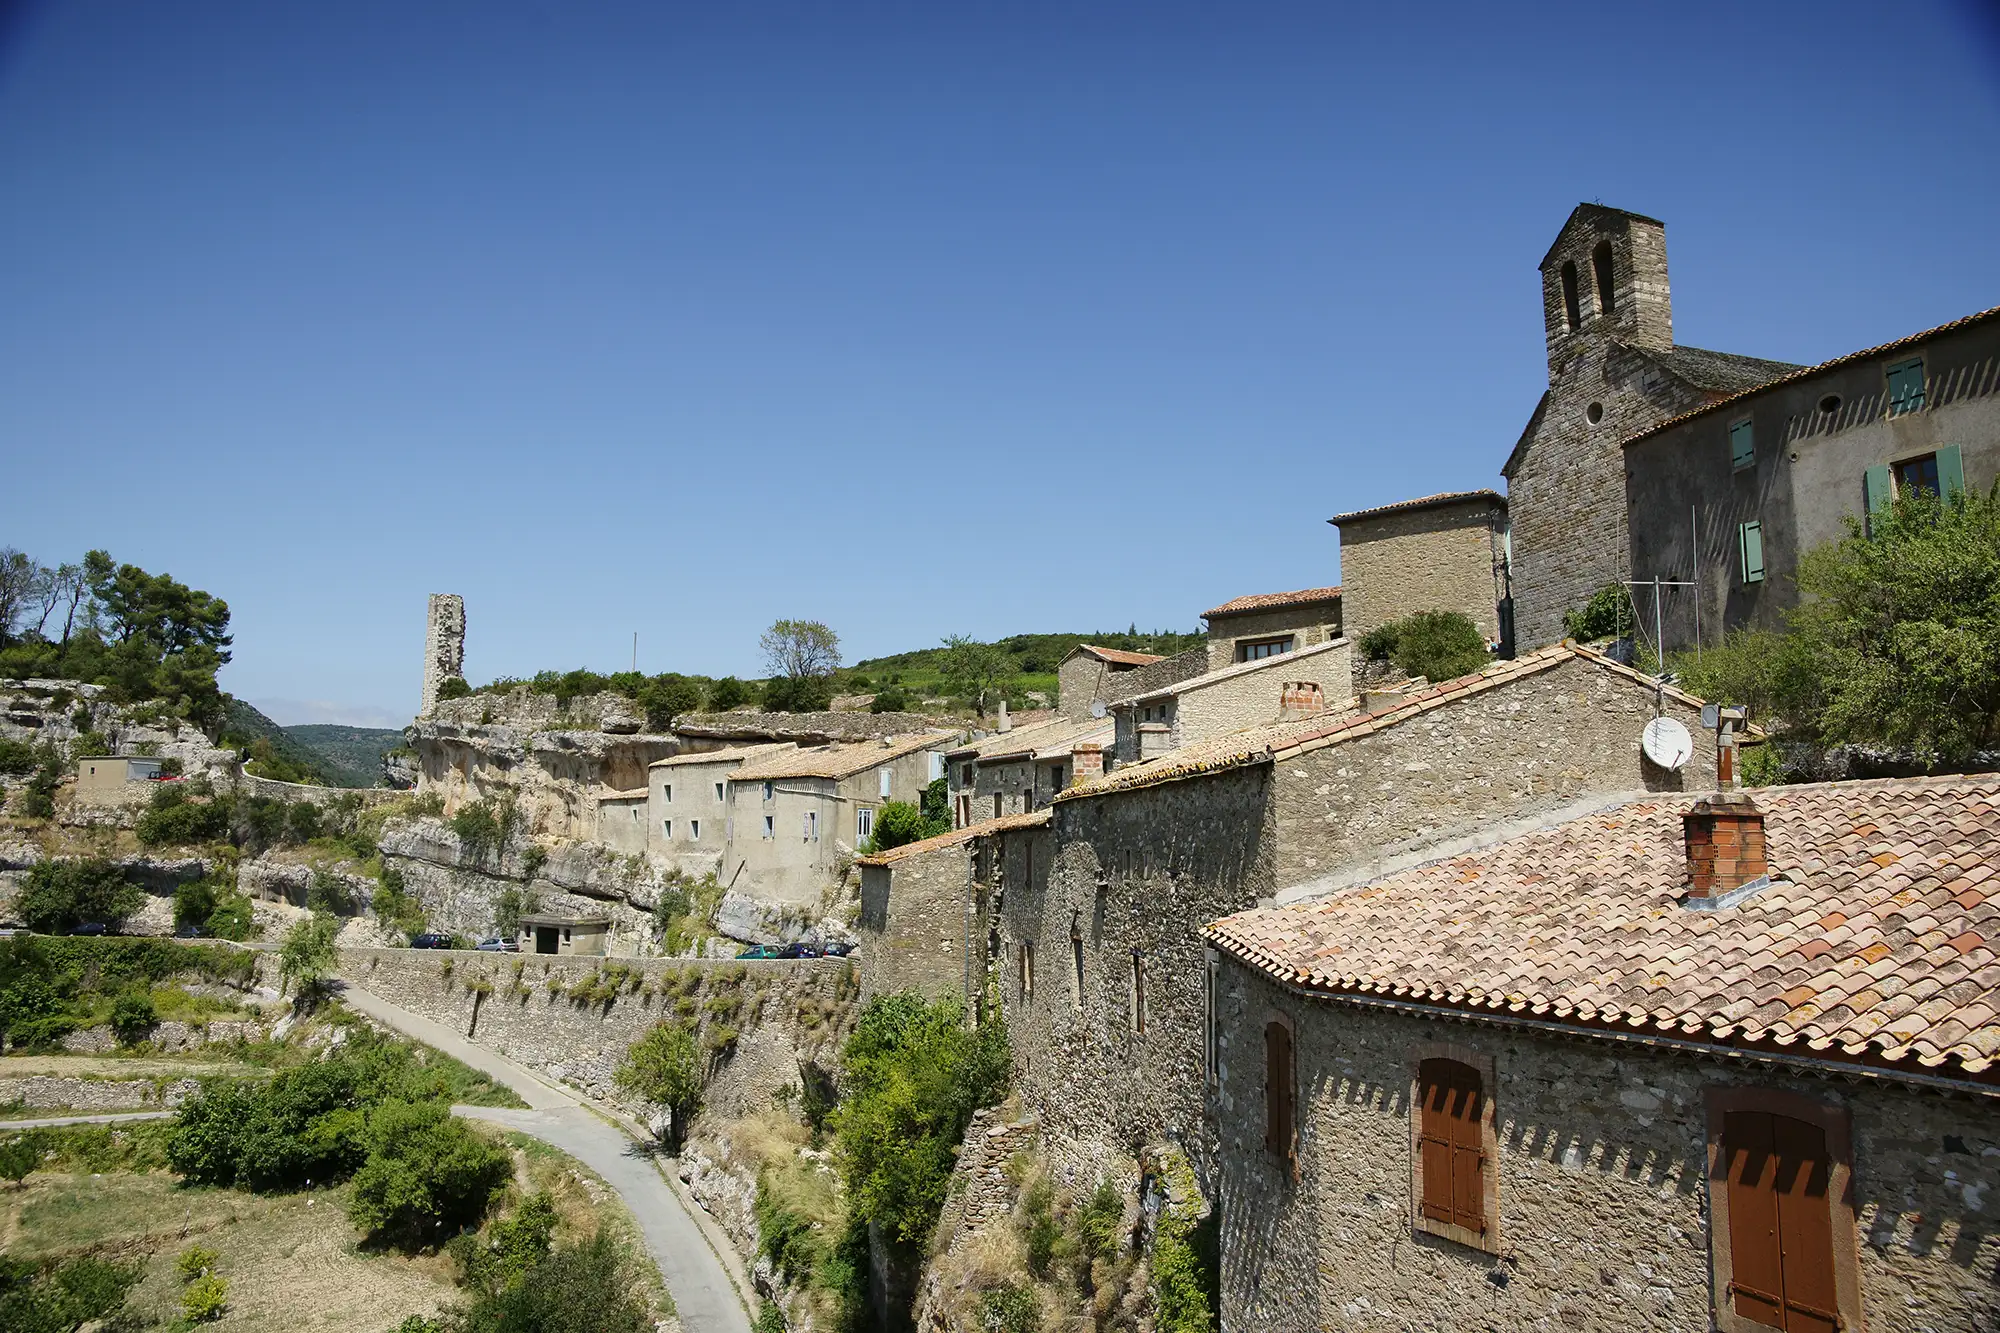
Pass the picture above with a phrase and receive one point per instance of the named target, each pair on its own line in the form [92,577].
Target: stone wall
[86,1095]
[444,646]
[1250,696]
[916,918]
[1157,675]
[172,1037]
[1601,1182]
[1533,744]
[1440,559]
[295,792]
[783,1012]
[1316,622]
[1141,871]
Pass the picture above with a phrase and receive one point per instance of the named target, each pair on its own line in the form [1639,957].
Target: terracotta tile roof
[1115,656]
[955,837]
[1037,742]
[1259,745]
[1796,373]
[1270,601]
[1878,944]
[1438,501]
[835,761]
[732,754]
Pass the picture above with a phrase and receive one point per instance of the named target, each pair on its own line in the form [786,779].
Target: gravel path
[698,1265]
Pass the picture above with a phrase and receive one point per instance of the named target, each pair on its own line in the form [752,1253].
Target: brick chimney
[1087,760]
[1298,698]
[1725,845]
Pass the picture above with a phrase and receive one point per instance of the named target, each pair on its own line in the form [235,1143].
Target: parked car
[90,928]
[430,939]
[799,949]
[762,951]
[500,944]
[838,949]
[188,933]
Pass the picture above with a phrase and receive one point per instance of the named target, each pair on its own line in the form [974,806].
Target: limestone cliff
[60,712]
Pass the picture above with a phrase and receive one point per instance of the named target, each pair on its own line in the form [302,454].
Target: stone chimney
[1300,698]
[1086,760]
[1725,846]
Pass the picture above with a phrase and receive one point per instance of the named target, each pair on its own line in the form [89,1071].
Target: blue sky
[915,319]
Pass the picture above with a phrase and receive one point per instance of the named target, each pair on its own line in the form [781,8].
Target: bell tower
[1605,279]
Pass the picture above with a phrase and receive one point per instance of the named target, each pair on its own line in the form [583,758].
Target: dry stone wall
[1444,559]
[87,1095]
[781,1012]
[1601,1182]
[916,918]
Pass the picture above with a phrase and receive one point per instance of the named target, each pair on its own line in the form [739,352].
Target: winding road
[700,1268]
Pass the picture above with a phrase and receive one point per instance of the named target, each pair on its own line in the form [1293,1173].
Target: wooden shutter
[1279,1093]
[1906,387]
[1451,1140]
[1750,538]
[1742,446]
[1951,471]
[1780,1222]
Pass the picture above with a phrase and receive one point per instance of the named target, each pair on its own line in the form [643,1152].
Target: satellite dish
[1667,743]
[1711,716]
[1097,708]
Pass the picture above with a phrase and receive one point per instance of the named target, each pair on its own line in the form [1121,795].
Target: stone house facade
[1614,371]
[1535,1085]
[688,807]
[1019,771]
[1439,553]
[795,817]
[1090,675]
[1093,936]
[1762,477]
[1267,624]
[622,819]
[1250,693]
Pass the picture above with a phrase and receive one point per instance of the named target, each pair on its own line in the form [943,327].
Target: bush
[1607,615]
[175,821]
[1097,1222]
[584,1288]
[728,693]
[327,892]
[892,699]
[194,1261]
[205,1299]
[232,919]
[204,1147]
[133,1017]
[17,1158]
[514,1246]
[1009,1309]
[510,907]
[58,895]
[16,757]
[897,824]
[1379,644]
[63,1295]
[798,694]
[427,1175]
[308,957]
[1438,645]
[194,903]
[453,687]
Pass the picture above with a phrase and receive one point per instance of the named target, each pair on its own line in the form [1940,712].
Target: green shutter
[1951,471]
[1750,540]
[1742,446]
[1906,387]
[1877,490]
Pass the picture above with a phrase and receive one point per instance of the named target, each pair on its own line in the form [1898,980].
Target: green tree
[427,1175]
[1607,615]
[133,1017]
[18,1157]
[62,1296]
[194,902]
[800,649]
[308,957]
[897,824]
[667,697]
[912,1075]
[980,673]
[1895,640]
[800,694]
[728,693]
[59,895]
[664,1067]
[890,699]
[514,1245]
[1438,645]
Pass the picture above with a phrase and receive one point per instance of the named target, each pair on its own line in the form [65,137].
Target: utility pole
[635,650]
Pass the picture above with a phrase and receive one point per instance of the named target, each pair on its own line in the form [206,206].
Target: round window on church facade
[1595,413]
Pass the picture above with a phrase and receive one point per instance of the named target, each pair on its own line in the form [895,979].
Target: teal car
[762,951]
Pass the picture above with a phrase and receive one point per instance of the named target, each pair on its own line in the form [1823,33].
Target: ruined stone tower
[1614,371]
[444,646]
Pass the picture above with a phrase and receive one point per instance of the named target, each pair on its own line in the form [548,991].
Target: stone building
[1731,494]
[795,816]
[1265,624]
[687,806]
[1600,1077]
[1614,371]
[444,646]
[1090,675]
[621,820]
[1089,914]
[1440,553]
[1020,770]
[1258,690]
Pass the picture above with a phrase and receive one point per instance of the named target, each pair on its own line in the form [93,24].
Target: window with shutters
[1906,386]
[1453,1148]
[1750,545]
[1742,446]
[1281,1095]
[1916,475]
[1781,1213]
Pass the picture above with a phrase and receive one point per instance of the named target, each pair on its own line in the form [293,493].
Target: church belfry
[1606,278]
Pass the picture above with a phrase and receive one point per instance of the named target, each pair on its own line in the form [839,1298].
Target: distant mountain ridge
[351,756]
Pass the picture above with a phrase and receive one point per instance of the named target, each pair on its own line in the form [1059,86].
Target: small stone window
[718,791]
[770,790]
[1594,413]
[1572,312]
[1600,265]
[667,793]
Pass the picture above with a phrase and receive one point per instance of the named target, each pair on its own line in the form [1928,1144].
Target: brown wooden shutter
[1451,1141]
[1279,1093]
[1780,1222]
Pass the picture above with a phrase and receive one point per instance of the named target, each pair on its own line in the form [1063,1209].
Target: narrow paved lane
[701,1272]
[102,1118]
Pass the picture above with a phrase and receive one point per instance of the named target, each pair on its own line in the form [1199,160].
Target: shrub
[1607,615]
[232,919]
[893,699]
[133,1017]
[194,1261]
[728,693]
[427,1175]
[1438,645]
[308,957]
[58,895]
[16,757]
[175,821]
[1009,1309]
[898,823]
[62,1295]
[205,1299]
[584,1288]
[327,892]
[514,1246]
[511,906]
[1379,644]
[1097,1222]
[453,687]
[664,1067]
[17,1158]
[194,902]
